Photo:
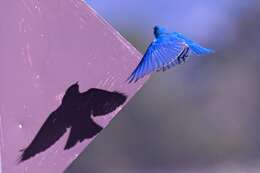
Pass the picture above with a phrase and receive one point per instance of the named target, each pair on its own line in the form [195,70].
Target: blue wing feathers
[166,51]
[196,49]
[199,50]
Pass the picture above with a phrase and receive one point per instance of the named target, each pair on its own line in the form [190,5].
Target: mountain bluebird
[166,50]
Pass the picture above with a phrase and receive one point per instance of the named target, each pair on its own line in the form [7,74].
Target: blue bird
[167,50]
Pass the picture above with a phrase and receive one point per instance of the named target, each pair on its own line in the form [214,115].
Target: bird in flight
[74,113]
[167,50]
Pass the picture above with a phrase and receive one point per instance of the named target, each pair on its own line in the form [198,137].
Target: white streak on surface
[27,7]
[28,54]
[20,25]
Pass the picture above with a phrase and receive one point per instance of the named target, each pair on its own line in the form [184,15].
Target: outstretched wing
[52,129]
[101,102]
[94,102]
[161,54]
[196,49]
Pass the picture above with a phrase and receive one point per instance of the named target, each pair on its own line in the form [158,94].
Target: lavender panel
[45,47]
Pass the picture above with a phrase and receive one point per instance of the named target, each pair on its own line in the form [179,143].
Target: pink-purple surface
[45,46]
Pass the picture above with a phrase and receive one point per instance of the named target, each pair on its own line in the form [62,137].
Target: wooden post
[46,47]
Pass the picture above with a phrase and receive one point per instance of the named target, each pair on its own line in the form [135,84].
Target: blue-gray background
[199,117]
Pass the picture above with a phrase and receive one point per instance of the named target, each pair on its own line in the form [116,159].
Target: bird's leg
[182,58]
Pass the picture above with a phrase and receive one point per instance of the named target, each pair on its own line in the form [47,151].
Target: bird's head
[73,90]
[158,30]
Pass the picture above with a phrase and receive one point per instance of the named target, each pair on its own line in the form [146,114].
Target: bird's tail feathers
[80,133]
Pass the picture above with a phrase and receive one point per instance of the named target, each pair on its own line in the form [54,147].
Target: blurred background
[201,117]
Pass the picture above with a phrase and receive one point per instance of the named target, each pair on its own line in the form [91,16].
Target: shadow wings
[75,113]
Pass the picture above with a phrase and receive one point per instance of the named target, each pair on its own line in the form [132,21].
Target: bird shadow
[74,113]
